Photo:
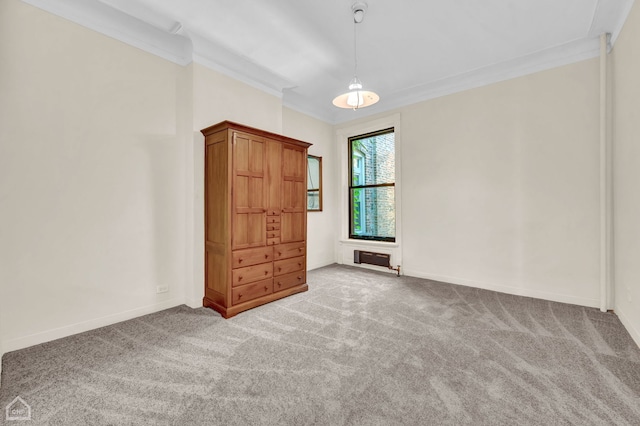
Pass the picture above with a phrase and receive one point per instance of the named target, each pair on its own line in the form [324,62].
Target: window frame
[351,187]
[317,189]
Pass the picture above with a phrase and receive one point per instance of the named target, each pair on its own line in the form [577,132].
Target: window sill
[354,242]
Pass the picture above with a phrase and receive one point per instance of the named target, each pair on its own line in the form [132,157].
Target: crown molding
[298,103]
[113,23]
[565,54]
[215,57]
[182,48]
[186,47]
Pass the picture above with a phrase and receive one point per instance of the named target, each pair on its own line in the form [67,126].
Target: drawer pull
[300,249]
[240,260]
[240,278]
[266,272]
[266,256]
[299,263]
[239,295]
[299,277]
[266,288]
[279,268]
[279,253]
[279,284]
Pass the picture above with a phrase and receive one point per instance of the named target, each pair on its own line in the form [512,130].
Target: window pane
[313,200]
[313,171]
[373,160]
[373,212]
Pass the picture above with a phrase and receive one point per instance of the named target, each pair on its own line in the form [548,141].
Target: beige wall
[500,186]
[626,114]
[218,98]
[91,179]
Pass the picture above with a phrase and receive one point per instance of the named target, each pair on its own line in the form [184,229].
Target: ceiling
[408,50]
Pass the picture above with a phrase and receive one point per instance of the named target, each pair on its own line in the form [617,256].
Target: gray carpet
[359,348]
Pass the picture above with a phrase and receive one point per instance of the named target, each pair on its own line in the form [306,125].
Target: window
[372,213]
[314,183]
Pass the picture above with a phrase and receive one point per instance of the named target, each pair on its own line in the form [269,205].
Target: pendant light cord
[355,60]
[355,48]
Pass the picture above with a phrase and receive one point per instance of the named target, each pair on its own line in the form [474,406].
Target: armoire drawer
[251,291]
[273,219]
[250,274]
[286,266]
[284,282]
[285,251]
[273,234]
[250,257]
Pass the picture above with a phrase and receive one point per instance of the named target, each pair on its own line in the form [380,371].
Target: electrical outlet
[162,289]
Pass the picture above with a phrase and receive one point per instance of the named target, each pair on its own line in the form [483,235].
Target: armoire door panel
[241,153]
[239,233]
[287,194]
[299,195]
[292,228]
[241,193]
[257,229]
[249,172]
[257,156]
[274,175]
[293,195]
[249,192]
[294,162]
[249,230]
[257,193]
[249,153]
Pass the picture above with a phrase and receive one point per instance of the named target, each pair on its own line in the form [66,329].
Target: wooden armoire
[255,217]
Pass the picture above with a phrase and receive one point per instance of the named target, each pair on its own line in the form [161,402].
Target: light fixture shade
[355,99]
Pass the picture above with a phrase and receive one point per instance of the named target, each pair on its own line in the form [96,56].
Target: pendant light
[356,98]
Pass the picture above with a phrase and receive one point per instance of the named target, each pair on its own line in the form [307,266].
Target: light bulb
[354,99]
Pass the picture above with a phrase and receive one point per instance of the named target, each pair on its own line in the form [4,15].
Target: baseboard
[194,303]
[517,291]
[626,322]
[321,264]
[58,333]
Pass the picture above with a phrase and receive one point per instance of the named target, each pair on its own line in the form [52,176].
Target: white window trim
[363,213]
[345,243]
